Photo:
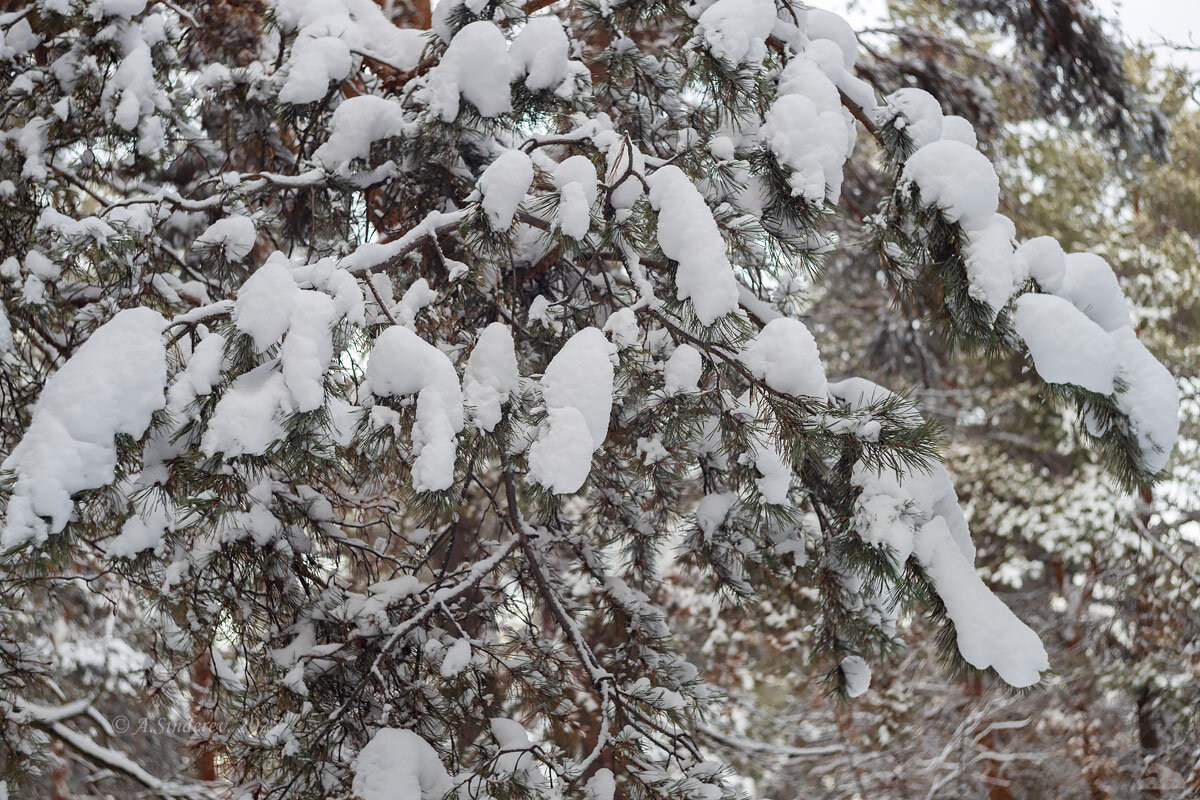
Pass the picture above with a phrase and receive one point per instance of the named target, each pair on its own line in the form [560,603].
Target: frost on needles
[426,383]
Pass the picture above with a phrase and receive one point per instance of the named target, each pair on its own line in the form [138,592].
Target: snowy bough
[391,372]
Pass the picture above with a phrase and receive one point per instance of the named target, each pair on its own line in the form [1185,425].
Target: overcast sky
[1144,20]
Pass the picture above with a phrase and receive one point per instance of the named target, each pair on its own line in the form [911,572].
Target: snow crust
[111,386]
[398,763]
[577,387]
[688,235]
[401,364]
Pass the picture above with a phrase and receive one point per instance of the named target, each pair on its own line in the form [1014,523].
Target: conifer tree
[382,370]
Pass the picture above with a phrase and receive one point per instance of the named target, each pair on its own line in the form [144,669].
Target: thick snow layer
[858,675]
[993,270]
[960,181]
[514,757]
[811,142]
[416,297]
[918,513]
[491,375]
[6,334]
[503,185]
[475,66]
[403,364]
[988,633]
[681,374]
[933,487]
[397,763]
[1150,401]
[111,386]
[621,158]
[784,355]
[776,475]
[201,374]
[958,129]
[457,658]
[713,509]
[827,56]
[540,53]
[1042,259]
[357,124]
[922,115]
[956,178]
[308,348]
[1066,346]
[140,532]
[313,63]
[622,326]
[75,230]
[1089,283]
[601,786]
[809,131]
[264,305]
[361,24]
[688,234]
[134,79]
[575,179]
[561,458]
[577,387]
[736,30]
[234,234]
[581,376]
[248,418]
[118,8]
[822,24]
